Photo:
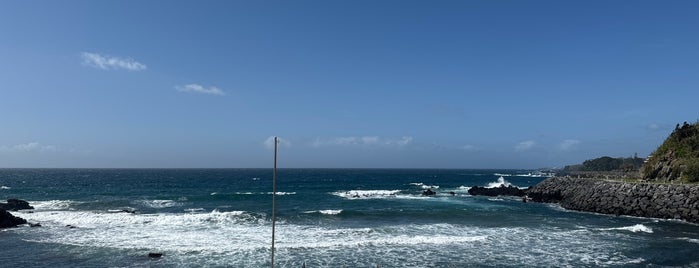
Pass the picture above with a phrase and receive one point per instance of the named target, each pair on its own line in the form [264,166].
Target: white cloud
[370,140]
[29,147]
[468,147]
[106,62]
[194,88]
[269,142]
[568,144]
[405,140]
[362,141]
[525,145]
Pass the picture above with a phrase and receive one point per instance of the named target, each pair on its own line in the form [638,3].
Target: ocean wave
[159,203]
[283,193]
[692,240]
[5,187]
[216,238]
[502,174]
[194,210]
[634,228]
[462,189]
[325,211]
[424,186]
[367,194]
[53,204]
[500,182]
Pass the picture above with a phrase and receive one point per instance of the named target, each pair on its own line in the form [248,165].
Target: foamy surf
[424,186]
[241,239]
[325,211]
[634,228]
[367,194]
[500,182]
[158,203]
[53,204]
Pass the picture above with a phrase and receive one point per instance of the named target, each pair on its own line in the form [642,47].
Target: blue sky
[416,84]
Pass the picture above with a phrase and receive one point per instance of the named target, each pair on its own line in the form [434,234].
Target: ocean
[325,218]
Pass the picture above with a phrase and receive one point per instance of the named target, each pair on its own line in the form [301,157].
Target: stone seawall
[666,201]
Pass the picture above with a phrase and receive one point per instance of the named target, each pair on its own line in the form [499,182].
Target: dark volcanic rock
[668,201]
[9,220]
[428,192]
[502,190]
[15,204]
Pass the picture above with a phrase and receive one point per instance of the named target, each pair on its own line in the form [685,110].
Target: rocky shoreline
[7,220]
[665,201]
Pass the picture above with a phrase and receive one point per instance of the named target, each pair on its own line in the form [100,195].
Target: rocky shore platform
[665,201]
[8,220]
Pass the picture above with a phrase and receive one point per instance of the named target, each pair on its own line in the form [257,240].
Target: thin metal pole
[274,194]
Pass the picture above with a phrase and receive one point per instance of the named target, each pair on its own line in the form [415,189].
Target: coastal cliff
[666,201]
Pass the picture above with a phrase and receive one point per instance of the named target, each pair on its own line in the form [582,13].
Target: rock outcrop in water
[8,220]
[495,191]
[15,205]
[666,201]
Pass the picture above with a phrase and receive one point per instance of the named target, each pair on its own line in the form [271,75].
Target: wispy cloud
[29,147]
[194,88]
[567,145]
[269,142]
[525,145]
[468,147]
[362,141]
[106,62]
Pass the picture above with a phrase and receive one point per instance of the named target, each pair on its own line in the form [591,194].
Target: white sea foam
[5,187]
[692,240]
[357,194]
[52,204]
[634,228]
[424,186]
[157,203]
[502,174]
[283,193]
[241,239]
[325,211]
[194,210]
[462,189]
[500,182]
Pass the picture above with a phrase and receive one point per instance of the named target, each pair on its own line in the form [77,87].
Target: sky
[344,84]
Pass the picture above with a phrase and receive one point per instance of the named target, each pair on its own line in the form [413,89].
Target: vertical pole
[274,195]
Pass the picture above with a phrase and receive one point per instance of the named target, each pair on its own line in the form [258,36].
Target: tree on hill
[606,163]
[678,156]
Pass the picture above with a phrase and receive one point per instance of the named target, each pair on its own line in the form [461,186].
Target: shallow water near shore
[326,218]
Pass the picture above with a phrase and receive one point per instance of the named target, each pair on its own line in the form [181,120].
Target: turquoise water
[325,218]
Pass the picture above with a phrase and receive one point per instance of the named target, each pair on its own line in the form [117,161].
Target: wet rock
[15,205]
[8,220]
[155,255]
[502,190]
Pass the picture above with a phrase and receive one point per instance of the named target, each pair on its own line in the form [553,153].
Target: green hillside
[677,158]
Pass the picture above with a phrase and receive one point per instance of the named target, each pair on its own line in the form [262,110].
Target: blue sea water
[325,218]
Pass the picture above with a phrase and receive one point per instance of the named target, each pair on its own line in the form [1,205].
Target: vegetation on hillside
[607,163]
[677,157]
